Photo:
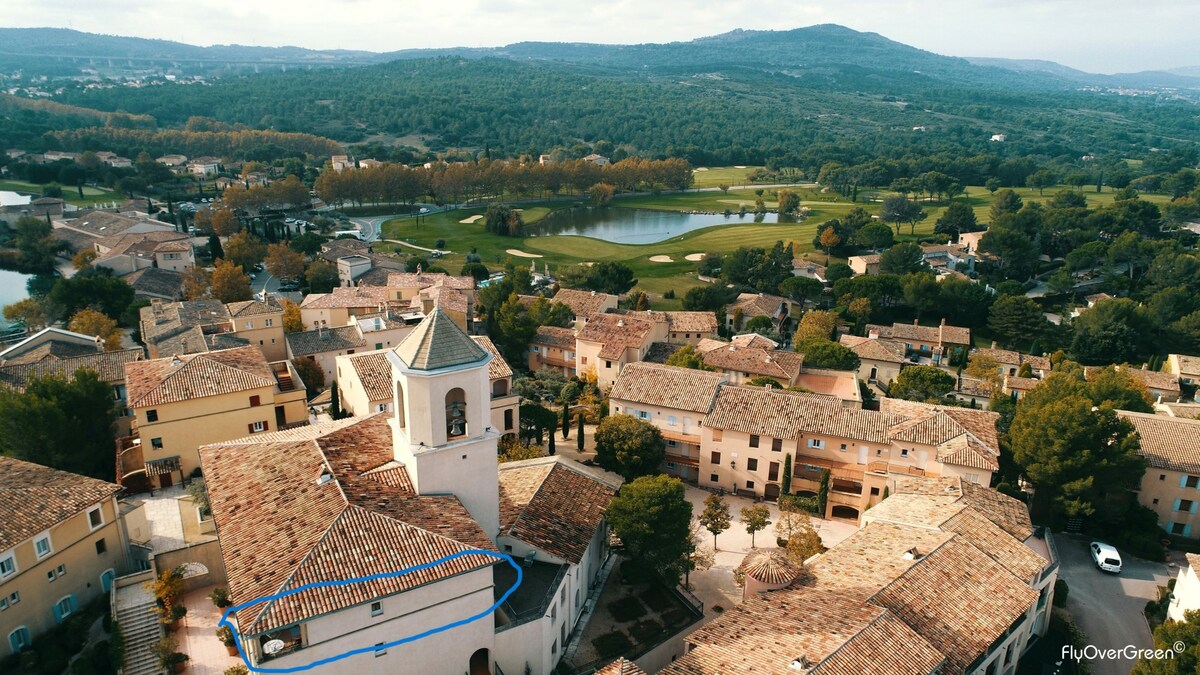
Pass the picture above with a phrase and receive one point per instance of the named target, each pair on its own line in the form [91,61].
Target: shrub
[656,598]
[237,670]
[626,609]
[644,631]
[1060,593]
[612,645]
[441,243]
[219,597]
[676,617]
[669,294]
[225,635]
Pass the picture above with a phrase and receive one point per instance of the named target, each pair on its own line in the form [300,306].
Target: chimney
[99,344]
[943,322]
[593,293]
[993,344]
[620,323]
[914,322]
[426,304]
[873,334]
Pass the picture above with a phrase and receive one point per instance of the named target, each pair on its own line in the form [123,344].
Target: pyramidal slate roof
[438,343]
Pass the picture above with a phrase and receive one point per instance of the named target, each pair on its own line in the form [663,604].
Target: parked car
[1106,557]
[290,287]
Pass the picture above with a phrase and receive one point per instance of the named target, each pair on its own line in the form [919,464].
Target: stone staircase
[140,629]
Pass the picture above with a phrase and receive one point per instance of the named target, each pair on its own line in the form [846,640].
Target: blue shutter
[74,604]
[58,617]
[1175,507]
[1195,506]
[1187,530]
[1183,480]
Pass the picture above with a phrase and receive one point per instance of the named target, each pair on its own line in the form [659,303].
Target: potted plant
[177,662]
[220,597]
[164,650]
[174,616]
[237,670]
[225,635]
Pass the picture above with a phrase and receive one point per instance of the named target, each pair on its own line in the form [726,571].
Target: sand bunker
[471,219]
[701,168]
[661,258]
[694,257]
[521,254]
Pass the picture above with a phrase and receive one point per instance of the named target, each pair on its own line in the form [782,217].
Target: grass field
[680,275]
[91,195]
[722,175]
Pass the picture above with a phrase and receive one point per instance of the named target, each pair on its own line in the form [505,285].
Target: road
[1108,607]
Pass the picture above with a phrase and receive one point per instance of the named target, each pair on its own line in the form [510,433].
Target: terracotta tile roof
[255,307]
[437,342]
[553,336]
[870,258]
[939,335]
[874,349]
[104,224]
[1193,562]
[695,322]
[616,333]
[444,297]
[375,373]
[935,425]
[323,340]
[1010,514]
[959,600]
[1008,357]
[756,304]
[427,279]
[165,319]
[560,515]
[770,566]
[1015,383]
[280,528]
[659,352]
[584,303]
[190,376]
[1183,410]
[784,414]
[1024,563]
[667,386]
[1153,379]
[784,365]
[872,557]
[498,368]
[35,497]
[143,243]
[343,297]
[156,281]
[834,634]
[1167,442]
[621,666]
[110,366]
[744,340]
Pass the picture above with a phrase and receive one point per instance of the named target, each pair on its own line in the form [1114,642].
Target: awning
[158,467]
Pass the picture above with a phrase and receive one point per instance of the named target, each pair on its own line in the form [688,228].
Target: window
[14,598]
[42,545]
[95,517]
[151,415]
[1155,502]
[8,566]
[753,440]
[269,322]
[61,570]
[816,443]
[643,415]
[554,647]
[1177,528]
[64,607]
[508,420]
[376,608]
[716,458]
[777,445]
[972,478]
[156,443]
[843,448]
[671,420]
[715,478]
[508,548]
[379,650]
[249,324]
[535,349]
[101,546]
[672,465]
[19,639]
[1192,481]
[1184,505]
[608,364]
[256,427]
[904,452]
[583,360]
[3,604]
[752,464]
[749,485]
[716,434]
[874,492]
[671,443]
[1162,476]
[51,576]
[255,401]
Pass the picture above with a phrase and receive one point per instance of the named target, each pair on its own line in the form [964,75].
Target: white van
[1106,557]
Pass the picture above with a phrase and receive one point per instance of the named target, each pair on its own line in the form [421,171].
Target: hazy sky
[1093,35]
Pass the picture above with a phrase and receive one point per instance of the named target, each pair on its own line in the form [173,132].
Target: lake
[12,287]
[632,226]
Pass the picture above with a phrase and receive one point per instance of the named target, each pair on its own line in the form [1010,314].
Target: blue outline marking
[383,575]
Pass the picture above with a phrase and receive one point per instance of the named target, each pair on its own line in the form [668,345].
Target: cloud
[1095,35]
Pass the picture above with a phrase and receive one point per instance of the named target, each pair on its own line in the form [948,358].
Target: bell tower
[441,430]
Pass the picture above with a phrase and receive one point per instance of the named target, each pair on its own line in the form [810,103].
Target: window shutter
[74,604]
[250,429]
[1195,506]
[57,613]
[1175,507]
[266,427]
[1187,530]
[1183,480]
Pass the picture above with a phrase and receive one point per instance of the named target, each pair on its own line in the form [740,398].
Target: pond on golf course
[633,226]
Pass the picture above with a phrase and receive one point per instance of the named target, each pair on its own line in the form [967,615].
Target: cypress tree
[579,434]
[550,448]
[823,492]
[566,420]
[786,488]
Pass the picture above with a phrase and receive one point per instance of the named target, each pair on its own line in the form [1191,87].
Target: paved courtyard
[198,637]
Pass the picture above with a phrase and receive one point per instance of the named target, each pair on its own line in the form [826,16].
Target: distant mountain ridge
[809,49]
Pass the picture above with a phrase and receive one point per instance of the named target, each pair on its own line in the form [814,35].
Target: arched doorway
[771,492]
[481,663]
[106,580]
[845,512]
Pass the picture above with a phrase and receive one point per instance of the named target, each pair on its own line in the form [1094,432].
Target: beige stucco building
[363,332]
[1171,485]
[197,326]
[130,252]
[61,547]
[180,403]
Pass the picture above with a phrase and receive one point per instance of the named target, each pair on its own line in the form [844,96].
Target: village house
[182,402]
[1185,597]
[1185,367]
[809,269]
[154,283]
[1009,362]
[950,576]
[947,258]
[404,489]
[583,304]
[740,364]
[203,167]
[1090,301]
[172,160]
[197,326]
[749,433]
[1171,485]
[880,359]
[553,347]
[363,332]
[865,264]
[610,341]
[750,305]
[130,252]
[599,160]
[1163,387]
[61,547]
[84,230]
[934,343]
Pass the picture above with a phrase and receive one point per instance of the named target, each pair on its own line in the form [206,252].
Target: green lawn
[722,175]
[680,274]
[91,195]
